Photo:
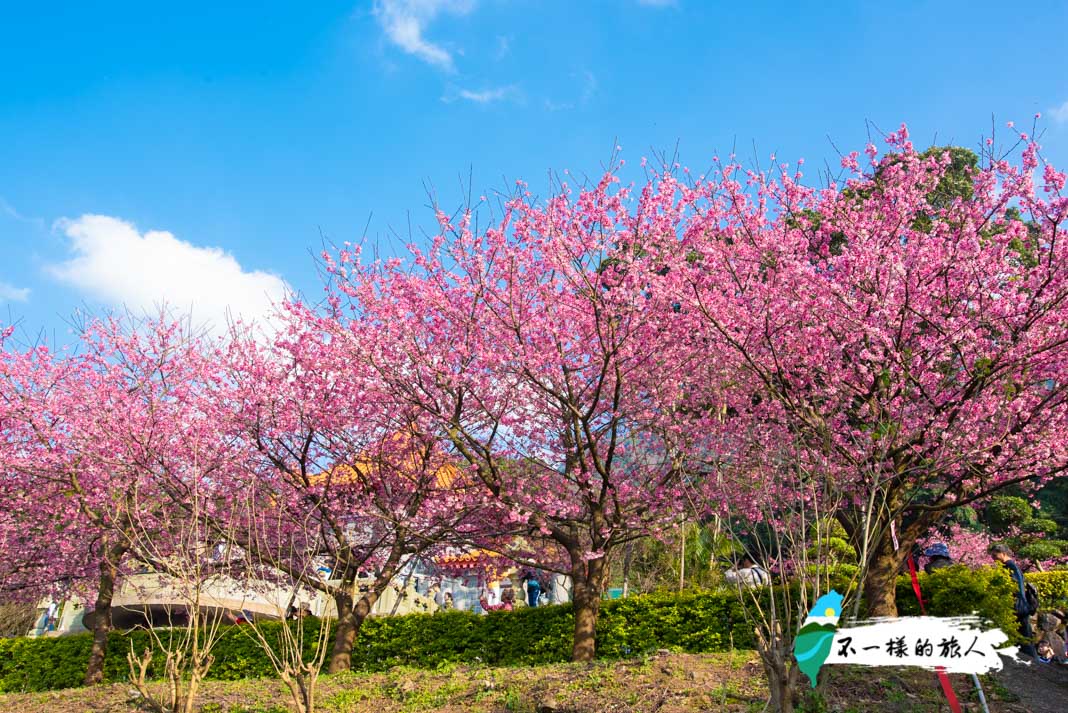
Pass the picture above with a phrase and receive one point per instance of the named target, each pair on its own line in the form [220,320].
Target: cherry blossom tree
[58,532]
[348,479]
[916,340]
[102,443]
[533,349]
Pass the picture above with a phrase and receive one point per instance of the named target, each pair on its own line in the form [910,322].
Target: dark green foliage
[1040,525]
[692,622]
[1004,511]
[1054,499]
[1037,539]
[1039,551]
[957,181]
[43,664]
[689,621]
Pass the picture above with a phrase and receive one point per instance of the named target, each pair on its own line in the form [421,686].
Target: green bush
[43,664]
[524,636]
[691,621]
[956,591]
[1004,511]
[1052,588]
[1040,525]
[1039,551]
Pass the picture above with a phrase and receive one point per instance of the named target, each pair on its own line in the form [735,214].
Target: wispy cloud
[488,95]
[9,210]
[550,105]
[586,82]
[504,46]
[114,262]
[589,85]
[405,23]
[1060,114]
[658,3]
[10,293]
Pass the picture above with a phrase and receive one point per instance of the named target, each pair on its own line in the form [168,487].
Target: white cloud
[658,3]
[487,96]
[406,21]
[115,263]
[10,293]
[1060,114]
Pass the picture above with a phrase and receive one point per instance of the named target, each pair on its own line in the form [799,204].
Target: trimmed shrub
[691,621]
[1004,511]
[1039,551]
[43,664]
[1040,525]
[1052,588]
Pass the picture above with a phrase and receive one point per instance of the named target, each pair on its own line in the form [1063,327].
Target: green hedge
[692,621]
[1052,588]
[957,590]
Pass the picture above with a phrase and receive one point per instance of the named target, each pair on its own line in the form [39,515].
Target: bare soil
[661,683]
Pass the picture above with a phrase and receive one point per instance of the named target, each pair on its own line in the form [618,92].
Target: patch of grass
[593,681]
[514,701]
[346,700]
[994,689]
[433,698]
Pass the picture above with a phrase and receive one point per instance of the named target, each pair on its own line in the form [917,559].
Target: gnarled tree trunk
[345,635]
[350,617]
[587,585]
[109,570]
[880,584]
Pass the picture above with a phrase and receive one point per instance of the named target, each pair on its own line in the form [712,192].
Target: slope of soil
[661,683]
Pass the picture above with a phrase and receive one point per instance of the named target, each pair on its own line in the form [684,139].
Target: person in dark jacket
[1002,554]
[937,557]
[533,588]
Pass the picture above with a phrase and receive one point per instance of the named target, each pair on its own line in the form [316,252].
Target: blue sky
[196,155]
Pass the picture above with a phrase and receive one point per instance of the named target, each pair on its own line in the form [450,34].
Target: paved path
[1042,688]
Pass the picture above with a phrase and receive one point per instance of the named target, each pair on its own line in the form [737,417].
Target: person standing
[1001,553]
[937,557]
[507,598]
[747,574]
[533,589]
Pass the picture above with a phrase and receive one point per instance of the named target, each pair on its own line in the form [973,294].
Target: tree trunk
[109,570]
[587,585]
[345,636]
[879,587]
[782,682]
[880,584]
[348,626]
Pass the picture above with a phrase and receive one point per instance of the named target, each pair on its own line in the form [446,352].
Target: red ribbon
[947,688]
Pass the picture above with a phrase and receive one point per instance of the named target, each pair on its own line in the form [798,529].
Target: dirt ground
[661,683]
